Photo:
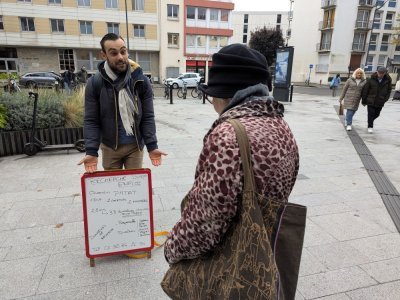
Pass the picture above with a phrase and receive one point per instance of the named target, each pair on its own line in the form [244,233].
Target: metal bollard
[291,93]
[171,101]
[204,98]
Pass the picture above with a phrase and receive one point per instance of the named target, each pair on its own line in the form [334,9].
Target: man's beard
[116,70]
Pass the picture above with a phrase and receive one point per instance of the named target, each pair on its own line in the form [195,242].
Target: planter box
[13,142]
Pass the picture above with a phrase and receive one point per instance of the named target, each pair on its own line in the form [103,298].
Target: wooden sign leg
[92,262]
[148,254]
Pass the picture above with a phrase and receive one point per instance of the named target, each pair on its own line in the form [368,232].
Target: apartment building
[337,36]
[207,28]
[37,35]
[245,22]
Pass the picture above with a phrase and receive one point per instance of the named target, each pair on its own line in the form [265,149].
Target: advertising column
[283,73]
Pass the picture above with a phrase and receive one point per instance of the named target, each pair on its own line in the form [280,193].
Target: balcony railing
[325,25]
[328,3]
[356,47]
[363,25]
[324,47]
[367,3]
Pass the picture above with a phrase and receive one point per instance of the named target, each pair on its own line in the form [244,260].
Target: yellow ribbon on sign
[145,254]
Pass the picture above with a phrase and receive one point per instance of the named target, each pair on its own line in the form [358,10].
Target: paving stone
[20,278]
[379,247]
[315,235]
[10,219]
[144,288]
[44,234]
[333,282]
[335,297]
[71,270]
[387,291]
[92,292]
[384,271]
[4,252]
[310,264]
[62,201]
[327,209]
[348,226]
[316,199]
[366,204]
[46,248]
[338,255]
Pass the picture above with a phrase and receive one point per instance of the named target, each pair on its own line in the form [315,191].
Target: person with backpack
[335,84]
[119,113]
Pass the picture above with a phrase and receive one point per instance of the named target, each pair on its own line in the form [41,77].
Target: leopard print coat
[213,200]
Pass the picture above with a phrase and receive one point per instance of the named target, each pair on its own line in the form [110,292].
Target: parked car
[40,79]
[191,79]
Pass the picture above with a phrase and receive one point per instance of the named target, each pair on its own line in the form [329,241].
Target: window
[389,21]
[27,24]
[201,13]
[1,23]
[397,48]
[278,27]
[396,58]
[385,42]
[377,20]
[54,1]
[138,30]
[138,4]
[66,58]
[213,14]
[111,4]
[84,3]
[144,61]
[57,25]
[113,28]
[372,42]
[213,41]
[191,40]
[245,28]
[201,41]
[362,19]
[358,41]
[173,11]
[370,60]
[392,3]
[223,41]
[245,39]
[224,15]
[246,18]
[191,12]
[381,60]
[173,40]
[27,1]
[325,41]
[85,27]
[278,18]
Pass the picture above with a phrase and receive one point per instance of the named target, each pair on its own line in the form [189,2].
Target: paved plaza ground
[351,248]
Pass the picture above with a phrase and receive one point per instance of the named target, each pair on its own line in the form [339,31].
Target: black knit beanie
[234,68]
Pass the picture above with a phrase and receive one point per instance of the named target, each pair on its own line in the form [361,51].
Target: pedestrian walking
[375,94]
[238,87]
[82,75]
[119,113]
[351,95]
[69,79]
[335,82]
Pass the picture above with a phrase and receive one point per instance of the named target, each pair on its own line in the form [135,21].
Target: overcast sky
[262,5]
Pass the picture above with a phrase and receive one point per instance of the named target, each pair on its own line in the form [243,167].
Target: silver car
[191,79]
[40,79]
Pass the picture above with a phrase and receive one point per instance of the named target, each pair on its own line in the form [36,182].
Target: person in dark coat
[375,94]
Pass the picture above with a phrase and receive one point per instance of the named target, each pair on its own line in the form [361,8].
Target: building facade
[337,36]
[38,35]
[245,22]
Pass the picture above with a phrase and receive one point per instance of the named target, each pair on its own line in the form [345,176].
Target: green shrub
[5,76]
[74,109]
[3,117]
[19,110]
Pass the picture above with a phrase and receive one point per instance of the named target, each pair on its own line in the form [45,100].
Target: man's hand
[90,163]
[156,156]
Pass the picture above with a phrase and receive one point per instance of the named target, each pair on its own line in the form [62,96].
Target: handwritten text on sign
[118,213]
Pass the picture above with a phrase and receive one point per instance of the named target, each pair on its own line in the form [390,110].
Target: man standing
[119,111]
[375,94]
[82,75]
[69,78]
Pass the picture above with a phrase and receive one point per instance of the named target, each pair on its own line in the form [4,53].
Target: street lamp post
[377,7]
[127,27]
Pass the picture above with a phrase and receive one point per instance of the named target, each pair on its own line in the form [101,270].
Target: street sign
[311,66]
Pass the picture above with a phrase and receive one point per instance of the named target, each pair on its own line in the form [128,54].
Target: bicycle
[196,92]
[182,92]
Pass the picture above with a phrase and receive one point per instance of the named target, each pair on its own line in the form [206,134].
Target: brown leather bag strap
[244,147]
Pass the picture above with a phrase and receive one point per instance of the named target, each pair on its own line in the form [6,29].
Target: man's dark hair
[109,37]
